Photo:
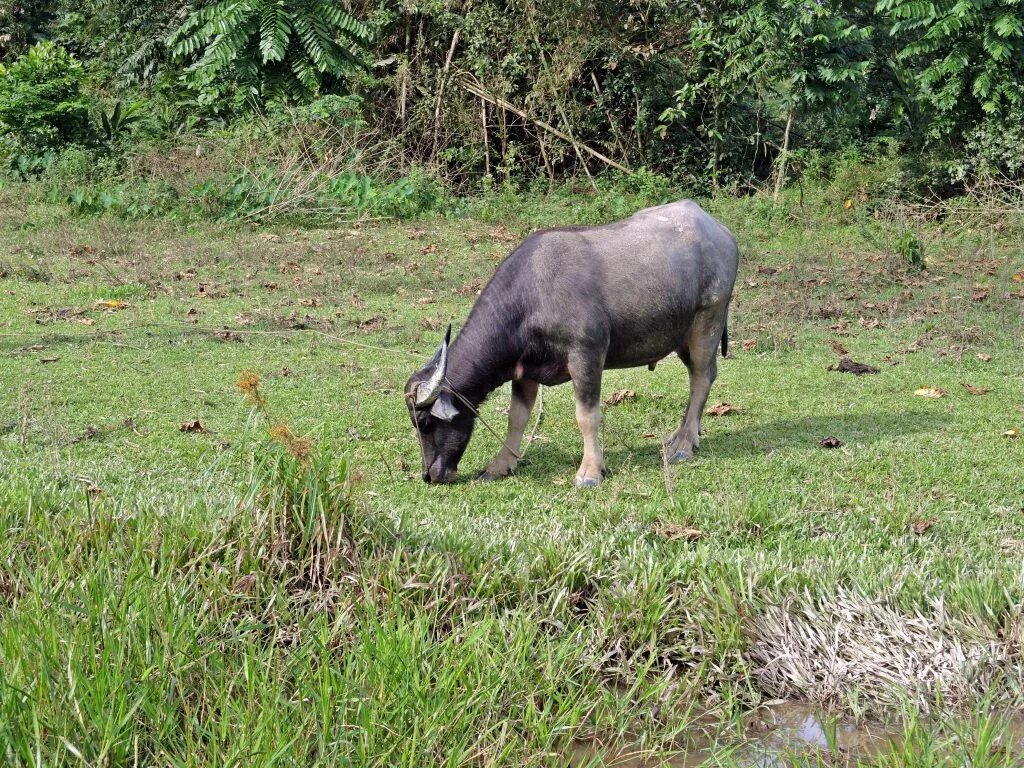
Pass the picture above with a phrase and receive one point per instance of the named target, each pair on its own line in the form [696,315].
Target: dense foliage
[276,48]
[42,104]
[730,94]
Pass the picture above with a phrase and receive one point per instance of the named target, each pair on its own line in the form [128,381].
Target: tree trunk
[780,179]
[487,146]
[440,90]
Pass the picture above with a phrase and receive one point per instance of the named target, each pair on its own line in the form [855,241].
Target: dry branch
[497,101]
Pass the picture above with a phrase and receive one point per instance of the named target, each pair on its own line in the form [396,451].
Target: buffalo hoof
[587,482]
[679,456]
[487,477]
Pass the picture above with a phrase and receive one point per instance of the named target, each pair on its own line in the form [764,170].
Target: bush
[995,147]
[42,107]
[79,165]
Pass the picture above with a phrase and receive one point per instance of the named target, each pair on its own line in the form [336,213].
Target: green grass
[204,604]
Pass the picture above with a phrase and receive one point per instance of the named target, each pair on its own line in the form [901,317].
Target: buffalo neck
[484,355]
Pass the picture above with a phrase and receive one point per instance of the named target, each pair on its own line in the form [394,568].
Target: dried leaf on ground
[1018,277]
[503,234]
[227,335]
[193,425]
[849,365]
[830,442]
[303,322]
[208,291]
[915,346]
[930,392]
[1013,434]
[374,323]
[112,305]
[842,328]
[974,390]
[749,344]
[980,294]
[838,348]
[425,301]
[983,357]
[922,525]
[467,288]
[430,248]
[309,302]
[620,397]
[53,359]
[430,323]
[676,532]
[722,409]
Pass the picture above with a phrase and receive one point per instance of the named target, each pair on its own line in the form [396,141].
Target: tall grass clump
[299,502]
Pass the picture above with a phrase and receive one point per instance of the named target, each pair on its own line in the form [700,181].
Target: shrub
[42,107]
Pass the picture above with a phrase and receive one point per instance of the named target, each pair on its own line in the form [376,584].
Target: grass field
[179,586]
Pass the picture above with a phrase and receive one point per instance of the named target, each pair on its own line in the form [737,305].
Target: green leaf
[275,28]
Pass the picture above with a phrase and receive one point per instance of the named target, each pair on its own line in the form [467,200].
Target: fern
[279,48]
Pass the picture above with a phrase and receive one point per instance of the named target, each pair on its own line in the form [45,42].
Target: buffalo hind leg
[524,392]
[586,380]
[700,355]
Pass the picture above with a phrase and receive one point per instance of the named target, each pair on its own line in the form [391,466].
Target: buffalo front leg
[700,356]
[524,392]
[586,380]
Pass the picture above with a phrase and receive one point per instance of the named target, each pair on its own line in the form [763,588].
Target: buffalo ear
[444,407]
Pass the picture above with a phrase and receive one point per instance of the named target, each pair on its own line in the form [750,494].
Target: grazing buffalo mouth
[566,305]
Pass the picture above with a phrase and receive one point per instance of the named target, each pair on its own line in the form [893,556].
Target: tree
[21,25]
[123,41]
[276,48]
[969,55]
[764,62]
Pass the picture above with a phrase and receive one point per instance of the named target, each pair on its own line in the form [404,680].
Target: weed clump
[299,494]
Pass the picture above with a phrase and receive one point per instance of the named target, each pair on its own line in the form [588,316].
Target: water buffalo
[565,305]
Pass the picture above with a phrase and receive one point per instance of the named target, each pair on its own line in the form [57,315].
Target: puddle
[788,734]
[792,729]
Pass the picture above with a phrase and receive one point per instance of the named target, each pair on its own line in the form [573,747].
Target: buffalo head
[443,425]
